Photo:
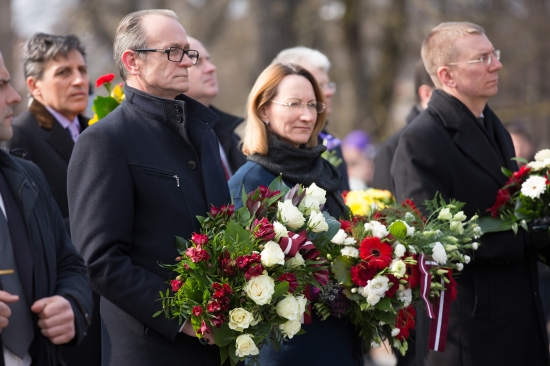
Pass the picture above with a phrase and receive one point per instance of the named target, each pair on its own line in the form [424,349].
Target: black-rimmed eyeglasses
[175,54]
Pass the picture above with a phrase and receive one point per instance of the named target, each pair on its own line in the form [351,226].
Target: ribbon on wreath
[290,246]
[439,311]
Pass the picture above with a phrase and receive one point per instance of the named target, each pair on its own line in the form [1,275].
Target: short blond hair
[265,89]
[438,49]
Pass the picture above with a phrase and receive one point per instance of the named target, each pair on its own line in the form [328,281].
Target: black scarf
[304,166]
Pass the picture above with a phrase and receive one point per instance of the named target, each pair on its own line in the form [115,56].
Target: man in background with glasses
[456,147]
[138,178]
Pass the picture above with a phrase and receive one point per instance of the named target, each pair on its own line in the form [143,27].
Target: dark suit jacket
[138,178]
[497,318]
[58,269]
[381,178]
[44,141]
[230,141]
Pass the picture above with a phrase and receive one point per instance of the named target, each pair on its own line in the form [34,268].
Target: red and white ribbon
[425,283]
[294,243]
[440,325]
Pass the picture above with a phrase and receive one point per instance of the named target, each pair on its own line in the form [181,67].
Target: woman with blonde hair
[285,112]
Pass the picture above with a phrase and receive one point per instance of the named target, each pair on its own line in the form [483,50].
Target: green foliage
[341,269]
[398,229]
[102,106]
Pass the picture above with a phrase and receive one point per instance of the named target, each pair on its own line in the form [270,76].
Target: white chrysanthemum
[439,254]
[339,237]
[534,186]
[400,250]
[542,155]
[377,229]
[409,217]
[536,165]
[350,251]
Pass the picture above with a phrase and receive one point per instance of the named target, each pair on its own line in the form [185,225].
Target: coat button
[177,106]
[178,118]
[191,164]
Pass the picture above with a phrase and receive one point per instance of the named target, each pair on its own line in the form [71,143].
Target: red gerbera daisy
[405,321]
[376,253]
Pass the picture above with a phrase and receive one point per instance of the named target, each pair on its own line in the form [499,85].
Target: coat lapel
[61,141]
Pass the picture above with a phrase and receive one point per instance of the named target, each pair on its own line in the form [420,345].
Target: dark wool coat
[497,318]
[58,269]
[40,138]
[138,178]
[230,141]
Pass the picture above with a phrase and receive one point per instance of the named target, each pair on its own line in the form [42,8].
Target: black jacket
[230,141]
[58,269]
[138,178]
[497,318]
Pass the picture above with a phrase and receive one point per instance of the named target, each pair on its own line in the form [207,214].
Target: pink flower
[197,254]
[197,311]
[199,239]
[204,328]
[176,285]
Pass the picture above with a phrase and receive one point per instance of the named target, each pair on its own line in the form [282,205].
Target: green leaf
[280,289]
[104,105]
[398,229]
[506,172]
[384,304]
[223,335]
[352,296]
[232,355]
[182,244]
[191,290]
[341,269]
[492,225]
[278,185]
[237,237]
[521,160]
[224,354]
[386,316]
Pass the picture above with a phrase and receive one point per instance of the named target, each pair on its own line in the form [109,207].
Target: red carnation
[346,226]
[197,254]
[176,285]
[394,285]
[197,311]
[104,79]
[291,279]
[361,274]
[405,321]
[377,254]
[503,197]
[254,271]
[199,239]
[413,275]
[519,175]
[263,229]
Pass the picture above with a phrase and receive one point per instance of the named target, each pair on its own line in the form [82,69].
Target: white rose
[272,254]
[245,346]
[398,268]
[302,302]
[456,227]
[395,331]
[239,319]
[350,252]
[260,289]
[318,193]
[339,237]
[289,215]
[405,296]
[459,216]
[280,230]
[313,199]
[542,155]
[317,222]
[445,214]
[459,266]
[376,229]
[290,328]
[467,259]
[288,308]
[309,205]
[534,186]
[438,253]
[378,286]
[296,261]
[400,250]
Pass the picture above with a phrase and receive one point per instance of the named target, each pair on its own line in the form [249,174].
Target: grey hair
[42,47]
[131,35]
[300,55]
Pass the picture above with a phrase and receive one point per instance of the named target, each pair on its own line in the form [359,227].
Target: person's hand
[188,329]
[5,311]
[56,318]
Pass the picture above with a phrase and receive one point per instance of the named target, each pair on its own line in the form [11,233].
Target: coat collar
[471,138]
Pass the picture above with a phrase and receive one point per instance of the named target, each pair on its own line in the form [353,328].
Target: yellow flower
[361,202]
[93,120]
[118,93]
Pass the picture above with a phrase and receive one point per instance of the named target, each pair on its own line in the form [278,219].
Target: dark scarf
[304,166]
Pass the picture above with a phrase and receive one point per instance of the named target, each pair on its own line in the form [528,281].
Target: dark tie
[18,335]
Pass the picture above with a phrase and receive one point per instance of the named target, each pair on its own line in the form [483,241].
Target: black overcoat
[497,318]
[58,269]
[138,178]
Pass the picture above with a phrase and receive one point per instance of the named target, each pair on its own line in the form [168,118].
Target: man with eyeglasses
[203,87]
[456,147]
[138,178]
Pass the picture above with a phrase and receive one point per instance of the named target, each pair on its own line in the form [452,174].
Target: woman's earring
[266,123]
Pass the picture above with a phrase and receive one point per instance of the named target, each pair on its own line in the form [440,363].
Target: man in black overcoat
[138,178]
[45,298]
[57,78]
[457,147]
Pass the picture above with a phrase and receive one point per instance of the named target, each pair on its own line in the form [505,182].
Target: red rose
[218,320]
[291,279]
[104,79]
[377,254]
[394,285]
[361,274]
[176,285]
[263,229]
[405,321]
[197,311]
[254,271]
[199,239]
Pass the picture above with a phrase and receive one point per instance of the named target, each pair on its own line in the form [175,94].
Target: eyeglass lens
[176,54]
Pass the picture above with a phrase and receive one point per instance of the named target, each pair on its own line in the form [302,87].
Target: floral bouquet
[364,201]
[392,258]
[245,277]
[523,198]
[102,106]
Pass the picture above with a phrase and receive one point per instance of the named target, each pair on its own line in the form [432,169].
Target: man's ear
[446,77]
[34,87]
[131,62]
